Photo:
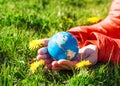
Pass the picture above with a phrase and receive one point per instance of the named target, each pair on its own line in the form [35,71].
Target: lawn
[24,20]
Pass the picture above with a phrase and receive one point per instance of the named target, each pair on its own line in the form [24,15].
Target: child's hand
[89,52]
[52,64]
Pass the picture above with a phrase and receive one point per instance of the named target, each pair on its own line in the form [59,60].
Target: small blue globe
[63,45]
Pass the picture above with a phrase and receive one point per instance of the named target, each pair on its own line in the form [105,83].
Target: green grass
[25,20]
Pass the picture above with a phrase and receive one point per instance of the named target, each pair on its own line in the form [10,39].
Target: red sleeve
[82,33]
[109,48]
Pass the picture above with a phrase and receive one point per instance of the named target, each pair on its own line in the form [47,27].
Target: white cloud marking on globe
[61,40]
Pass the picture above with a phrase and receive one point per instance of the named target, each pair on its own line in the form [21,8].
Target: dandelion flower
[93,20]
[36,64]
[34,44]
[82,64]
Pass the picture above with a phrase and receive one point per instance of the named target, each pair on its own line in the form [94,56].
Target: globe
[63,45]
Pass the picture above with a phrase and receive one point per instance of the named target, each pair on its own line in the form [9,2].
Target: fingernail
[44,50]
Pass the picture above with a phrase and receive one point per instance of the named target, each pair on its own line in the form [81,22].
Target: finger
[48,66]
[42,51]
[48,61]
[65,62]
[46,40]
[56,66]
[60,67]
[44,56]
[68,63]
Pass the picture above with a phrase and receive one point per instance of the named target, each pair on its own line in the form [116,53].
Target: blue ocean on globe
[63,45]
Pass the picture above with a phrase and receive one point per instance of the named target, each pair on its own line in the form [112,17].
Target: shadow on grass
[60,77]
[4,58]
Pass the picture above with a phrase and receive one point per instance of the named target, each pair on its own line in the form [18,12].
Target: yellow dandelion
[93,20]
[34,44]
[82,64]
[36,64]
